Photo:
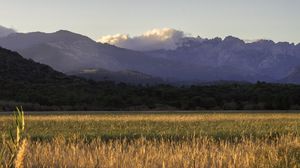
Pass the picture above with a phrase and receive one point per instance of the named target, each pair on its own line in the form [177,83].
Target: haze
[257,19]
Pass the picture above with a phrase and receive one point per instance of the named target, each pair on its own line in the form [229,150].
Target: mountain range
[38,87]
[195,60]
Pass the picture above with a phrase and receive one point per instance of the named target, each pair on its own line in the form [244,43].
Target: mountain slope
[126,76]
[196,60]
[62,50]
[68,52]
[23,80]
[263,59]
[13,67]
[293,77]
[39,87]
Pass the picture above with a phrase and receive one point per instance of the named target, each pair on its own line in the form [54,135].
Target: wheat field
[161,140]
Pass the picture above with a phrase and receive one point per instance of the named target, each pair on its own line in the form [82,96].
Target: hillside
[293,77]
[13,67]
[70,52]
[25,81]
[126,76]
[195,60]
[39,87]
[262,60]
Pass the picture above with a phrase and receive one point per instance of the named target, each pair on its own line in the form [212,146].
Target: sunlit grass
[219,126]
[196,152]
[162,140]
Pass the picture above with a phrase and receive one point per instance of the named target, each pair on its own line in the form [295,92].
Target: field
[161,139]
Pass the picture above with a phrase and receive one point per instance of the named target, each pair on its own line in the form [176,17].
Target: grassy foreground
[162,140]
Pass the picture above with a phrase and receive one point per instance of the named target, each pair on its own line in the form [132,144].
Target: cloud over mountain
[6,31]
[154,39]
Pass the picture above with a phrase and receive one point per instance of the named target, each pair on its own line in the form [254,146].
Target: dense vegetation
[38,87]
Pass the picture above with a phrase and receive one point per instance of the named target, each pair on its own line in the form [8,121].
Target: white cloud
[165,38]
[6,31]
[114,39]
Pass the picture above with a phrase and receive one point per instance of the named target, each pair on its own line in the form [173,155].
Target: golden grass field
[160,140]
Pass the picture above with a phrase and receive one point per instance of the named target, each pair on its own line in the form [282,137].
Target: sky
[278,20]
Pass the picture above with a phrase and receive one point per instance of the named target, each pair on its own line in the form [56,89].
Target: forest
[89,95]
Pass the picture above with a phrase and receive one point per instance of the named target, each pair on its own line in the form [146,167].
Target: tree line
[89,95]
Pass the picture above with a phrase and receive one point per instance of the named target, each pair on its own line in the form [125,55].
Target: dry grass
[204,152]
[161,140]
[21,154]
[172,117]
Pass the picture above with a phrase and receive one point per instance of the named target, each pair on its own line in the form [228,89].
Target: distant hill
[39,87]
[293,77]
[69,52]
[125,76]
[13,67]
[6,31]
[25,81]
[194,61]
[262,60]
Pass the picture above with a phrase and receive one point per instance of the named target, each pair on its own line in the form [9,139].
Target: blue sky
[278,20]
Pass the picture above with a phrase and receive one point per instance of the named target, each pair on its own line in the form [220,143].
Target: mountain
[40,88]
[262,60]
[125,76]
[62,50]
[14,68]
[6,31]
[195,60]
[25,82]
[293,77]
[68,52]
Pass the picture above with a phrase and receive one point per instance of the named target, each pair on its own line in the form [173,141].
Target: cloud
[6,31]
[165,38]
[114,39]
